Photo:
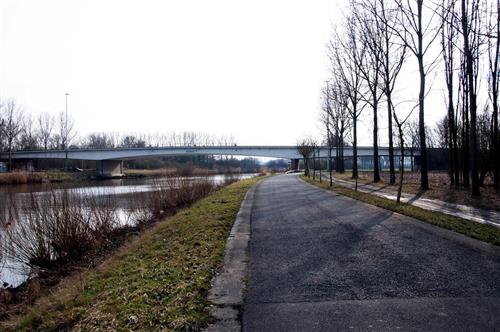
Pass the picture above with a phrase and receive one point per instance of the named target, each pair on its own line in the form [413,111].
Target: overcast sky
[252,69]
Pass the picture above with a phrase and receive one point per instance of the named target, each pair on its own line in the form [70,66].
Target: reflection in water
[20,196]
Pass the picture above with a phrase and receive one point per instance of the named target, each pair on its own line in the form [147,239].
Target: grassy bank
[159,281]
[486,233]
[37,177]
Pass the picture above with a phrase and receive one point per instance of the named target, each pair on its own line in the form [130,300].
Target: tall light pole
[328,131]
[66,133]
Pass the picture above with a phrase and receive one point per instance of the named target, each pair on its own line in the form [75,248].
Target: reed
[21,178]
[60,229]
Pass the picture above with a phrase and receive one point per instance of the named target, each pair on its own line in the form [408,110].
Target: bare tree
[314,145]
[336,120]
[2,127]
[326,118]
[393,55]
[99,141]
[369,28]
[28,138]
[493,32]
[400,124]
[471,28]
[411,131]
[132,141]
[443,135]
[305,147]
[448,39]
[67,130]
[345,51]
[418,34]
[13,125]
[45,123]
[341,121]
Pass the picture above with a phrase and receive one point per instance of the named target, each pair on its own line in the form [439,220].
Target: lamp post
[328,131]
[66,133]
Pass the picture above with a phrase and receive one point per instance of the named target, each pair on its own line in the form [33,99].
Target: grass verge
[440,188]
[486,233]
[157,282]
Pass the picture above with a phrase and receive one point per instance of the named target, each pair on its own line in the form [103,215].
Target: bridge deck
[285,152]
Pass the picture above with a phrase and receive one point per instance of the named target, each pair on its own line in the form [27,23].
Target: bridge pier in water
[294,164]
[109,169]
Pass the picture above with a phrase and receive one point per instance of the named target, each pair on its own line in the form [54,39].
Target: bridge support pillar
[294,164]
[109,169]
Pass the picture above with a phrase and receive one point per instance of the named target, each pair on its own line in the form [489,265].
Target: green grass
[486,233]
[60,176]
[157,282]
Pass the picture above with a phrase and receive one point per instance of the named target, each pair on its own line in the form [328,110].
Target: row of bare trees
[368,51]
[139,140]
[19,130]
[470,54]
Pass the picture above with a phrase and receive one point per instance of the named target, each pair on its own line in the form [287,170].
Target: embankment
[158,281]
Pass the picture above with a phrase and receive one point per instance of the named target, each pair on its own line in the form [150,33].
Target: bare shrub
[174,192]
[58,228]
[103,215]
[61,229]
[140,210]
[185,169]
[21,178]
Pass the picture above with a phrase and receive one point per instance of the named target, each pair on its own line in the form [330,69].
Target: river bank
[159,280]
[57,176]
[39,177]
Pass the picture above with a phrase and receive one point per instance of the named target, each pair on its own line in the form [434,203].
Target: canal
[15,201]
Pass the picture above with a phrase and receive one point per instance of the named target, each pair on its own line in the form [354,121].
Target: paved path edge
[478,215]
[443,232]
[228,286]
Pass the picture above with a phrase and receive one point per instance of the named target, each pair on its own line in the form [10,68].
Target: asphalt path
[324,262]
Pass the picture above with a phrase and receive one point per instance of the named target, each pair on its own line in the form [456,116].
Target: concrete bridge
[109,161]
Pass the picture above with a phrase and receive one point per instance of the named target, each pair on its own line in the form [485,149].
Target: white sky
[252,69]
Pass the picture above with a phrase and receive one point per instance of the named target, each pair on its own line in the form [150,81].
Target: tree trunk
[473,103]
[451,130]
[330,165]
[424,178]
[465,130]
[320,166]
[494,77]
[392,173]
[314,165]
[342,165]
[496,144]
[355,149]
[376,170]
[401,164]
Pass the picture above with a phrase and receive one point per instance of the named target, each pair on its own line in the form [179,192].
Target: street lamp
[66,133]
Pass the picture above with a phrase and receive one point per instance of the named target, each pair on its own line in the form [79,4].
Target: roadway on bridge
[319,261]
